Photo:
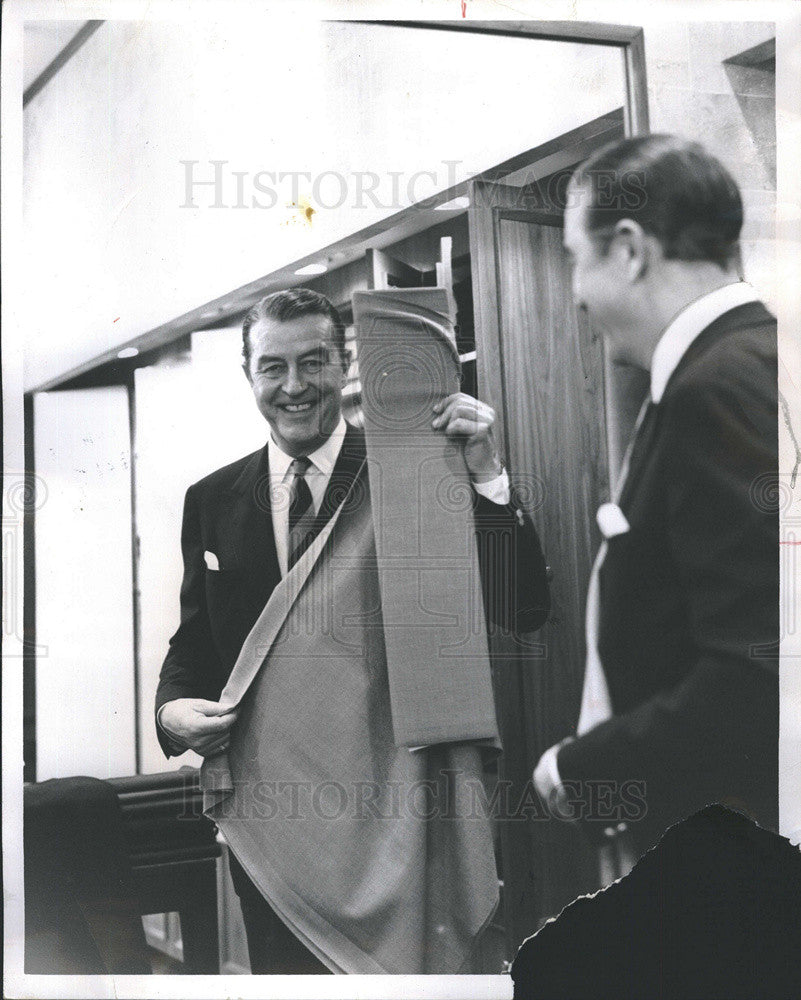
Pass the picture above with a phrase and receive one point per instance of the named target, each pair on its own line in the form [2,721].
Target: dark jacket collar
[740,317]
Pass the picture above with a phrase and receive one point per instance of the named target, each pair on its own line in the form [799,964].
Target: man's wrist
[495,488]
[489,474]
[172,740]
[159,722]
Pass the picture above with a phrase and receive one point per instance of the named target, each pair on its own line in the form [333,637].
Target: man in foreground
[681,686]
[246,530]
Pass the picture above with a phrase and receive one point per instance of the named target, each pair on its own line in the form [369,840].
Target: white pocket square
[211,560]
[611,520]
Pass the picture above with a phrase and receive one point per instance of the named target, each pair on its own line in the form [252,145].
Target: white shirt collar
[689,323]
[324,458]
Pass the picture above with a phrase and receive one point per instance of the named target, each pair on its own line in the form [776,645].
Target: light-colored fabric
[437,656]
[374,856]
[596,705]
[688,324]
[379,859]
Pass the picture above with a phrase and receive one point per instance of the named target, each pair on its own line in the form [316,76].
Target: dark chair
[173,851]
[99,854]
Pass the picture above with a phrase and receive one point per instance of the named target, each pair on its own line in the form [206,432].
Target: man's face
[297,377]
[600,285]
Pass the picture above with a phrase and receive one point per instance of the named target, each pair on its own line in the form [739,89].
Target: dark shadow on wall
[752,75]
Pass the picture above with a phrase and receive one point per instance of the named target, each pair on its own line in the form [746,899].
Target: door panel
[541,368]
[85,681]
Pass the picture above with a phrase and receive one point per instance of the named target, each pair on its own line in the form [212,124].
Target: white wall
[84,586]
[107,240]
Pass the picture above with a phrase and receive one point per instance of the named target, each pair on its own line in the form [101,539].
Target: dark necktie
[301,511]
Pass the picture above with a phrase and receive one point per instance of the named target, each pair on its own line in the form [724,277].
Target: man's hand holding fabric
[201,725]
[462,416]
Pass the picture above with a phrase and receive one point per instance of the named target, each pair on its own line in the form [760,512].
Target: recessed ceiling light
[461,202]
[312,269]
[128,352]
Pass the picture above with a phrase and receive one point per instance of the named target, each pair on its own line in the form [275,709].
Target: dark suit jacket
[228,513]
[689,621]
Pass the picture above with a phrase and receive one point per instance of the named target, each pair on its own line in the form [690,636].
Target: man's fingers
[460,409]
[228,719]
[443,403]
[214,726]
[464,427]
[210,708]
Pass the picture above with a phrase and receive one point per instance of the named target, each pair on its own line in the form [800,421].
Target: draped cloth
[378,857]
[436,635]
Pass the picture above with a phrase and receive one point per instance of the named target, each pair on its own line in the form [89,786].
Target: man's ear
[635,248]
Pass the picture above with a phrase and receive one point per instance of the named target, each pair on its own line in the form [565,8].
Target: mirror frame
[628,38]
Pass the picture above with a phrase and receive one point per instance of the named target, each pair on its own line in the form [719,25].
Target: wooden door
[542,369]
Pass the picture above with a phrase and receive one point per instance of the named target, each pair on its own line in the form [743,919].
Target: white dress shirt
[321,465]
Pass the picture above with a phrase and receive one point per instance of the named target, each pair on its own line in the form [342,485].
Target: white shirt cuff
[497,489]
[553,767]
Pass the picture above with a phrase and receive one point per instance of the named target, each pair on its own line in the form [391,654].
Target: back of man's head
[291,304]
[676,191]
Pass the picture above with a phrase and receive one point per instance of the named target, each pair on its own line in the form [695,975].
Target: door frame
[528,724]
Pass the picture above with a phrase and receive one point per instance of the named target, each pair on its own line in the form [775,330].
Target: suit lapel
[246,522]
[750,314]
[347,465]
[346,468]
[246,527]
[641,448]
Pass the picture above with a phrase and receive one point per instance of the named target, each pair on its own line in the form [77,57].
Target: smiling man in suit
[246,525]
[681,685]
